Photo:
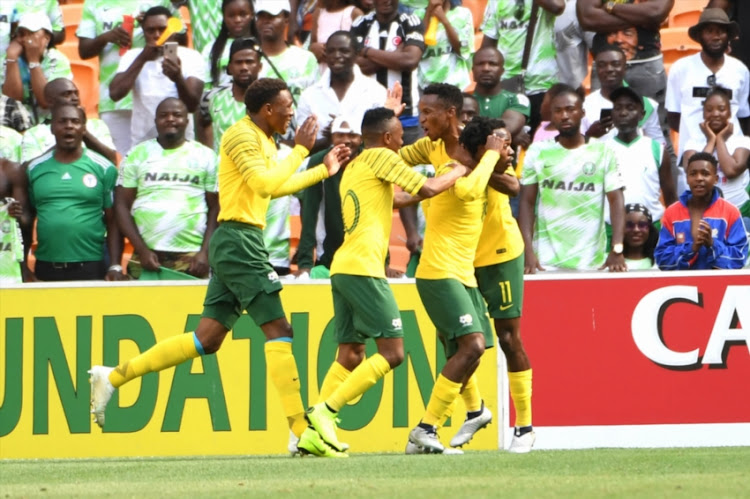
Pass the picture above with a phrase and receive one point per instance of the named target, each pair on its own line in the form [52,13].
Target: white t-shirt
[594,104]
[734,189]
[639,164]
[152,86]
[364,93]
[689,73]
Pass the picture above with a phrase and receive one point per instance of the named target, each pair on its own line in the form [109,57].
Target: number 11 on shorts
[505,293]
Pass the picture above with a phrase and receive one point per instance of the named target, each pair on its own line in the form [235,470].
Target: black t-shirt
[638,43]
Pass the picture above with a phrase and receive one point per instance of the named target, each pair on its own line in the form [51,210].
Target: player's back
[367,205]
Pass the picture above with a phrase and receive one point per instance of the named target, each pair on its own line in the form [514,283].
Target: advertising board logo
[731,327]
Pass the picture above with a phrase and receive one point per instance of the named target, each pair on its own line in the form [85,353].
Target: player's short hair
[704,156]
[262,92]
[449,95]
[475,133]
[609,47]
[156,11]
[375,121]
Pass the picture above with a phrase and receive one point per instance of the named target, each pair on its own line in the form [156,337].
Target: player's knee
[212,343]
[394,357]
[473,350]
[350,357]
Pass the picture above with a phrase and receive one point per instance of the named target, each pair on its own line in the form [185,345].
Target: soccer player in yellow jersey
[243,279]
[445,275]
[363,302]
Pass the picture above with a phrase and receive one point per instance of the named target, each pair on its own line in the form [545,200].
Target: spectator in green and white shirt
[448,60]
[11,11]
[506,25]
[166,200]
[565,183]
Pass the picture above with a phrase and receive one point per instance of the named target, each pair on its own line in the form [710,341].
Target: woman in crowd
[641,237]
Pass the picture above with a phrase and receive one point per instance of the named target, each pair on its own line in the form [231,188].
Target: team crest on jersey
[273,276]
[396,324]
[466,320]
[89,180]
[396,41]
[679,238]
[714,232]
[5,227]
[589,168]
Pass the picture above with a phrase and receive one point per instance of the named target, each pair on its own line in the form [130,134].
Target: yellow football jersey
[454,224]
[501,239]
[250,175]
[367,207]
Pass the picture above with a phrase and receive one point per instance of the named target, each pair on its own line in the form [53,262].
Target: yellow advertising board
[220,404]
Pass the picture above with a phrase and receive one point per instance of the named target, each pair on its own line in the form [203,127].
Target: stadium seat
[86,78]
[69,49]
[399,257]
[477,8]
[398,233]
[676,44]
[685,13]
[71,14]
[185,14]
[295,227]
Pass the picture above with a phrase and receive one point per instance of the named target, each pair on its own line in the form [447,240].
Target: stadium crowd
[636,160]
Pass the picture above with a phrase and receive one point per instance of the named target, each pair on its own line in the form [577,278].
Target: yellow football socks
[360,380]
[472,397]
[336,375]
[166,353]
[520,392]
[282,369]
[444,393]
[447,414]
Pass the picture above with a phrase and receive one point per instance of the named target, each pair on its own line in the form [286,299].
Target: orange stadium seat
[676,44]
[86,78]
[685,13]
[399,257]
[70,50]
[71,14]
[477,11]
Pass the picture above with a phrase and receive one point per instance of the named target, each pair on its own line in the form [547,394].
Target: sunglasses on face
[632,225]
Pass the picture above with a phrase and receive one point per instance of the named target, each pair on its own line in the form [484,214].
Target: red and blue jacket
[675,248]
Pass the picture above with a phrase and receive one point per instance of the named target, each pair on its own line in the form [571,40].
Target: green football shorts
[364,307]
[242,279]
[502,287]
[455,310]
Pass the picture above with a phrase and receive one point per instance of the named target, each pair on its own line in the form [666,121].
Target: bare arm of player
[331,165]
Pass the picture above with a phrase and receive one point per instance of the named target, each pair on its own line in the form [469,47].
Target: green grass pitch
[705,472]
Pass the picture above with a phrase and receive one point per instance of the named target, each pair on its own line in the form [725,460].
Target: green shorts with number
[242,279]
[502,287]
[364,307]
[456,310]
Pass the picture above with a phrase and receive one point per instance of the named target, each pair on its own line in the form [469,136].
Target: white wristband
[115,268]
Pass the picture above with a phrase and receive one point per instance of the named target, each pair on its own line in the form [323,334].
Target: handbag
[516,84]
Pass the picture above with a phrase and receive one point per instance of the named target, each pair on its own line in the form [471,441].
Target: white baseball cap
[273,7]
[342,124]
[34,21]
